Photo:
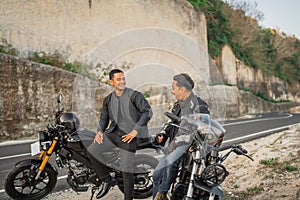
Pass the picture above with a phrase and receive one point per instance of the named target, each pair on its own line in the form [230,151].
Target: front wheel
[20,183]
[143,183]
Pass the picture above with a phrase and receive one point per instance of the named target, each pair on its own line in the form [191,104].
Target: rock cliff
[150,40]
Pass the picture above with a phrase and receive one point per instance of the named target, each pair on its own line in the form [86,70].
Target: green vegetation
[146,95]
[254,190]
[75,67]
[243,195]
[290,168]
[7,48]
[264,97]
[270,162]
[280,166]
[56,59]
[268,49]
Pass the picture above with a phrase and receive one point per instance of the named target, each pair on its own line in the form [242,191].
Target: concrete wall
[150,40]
[166,33]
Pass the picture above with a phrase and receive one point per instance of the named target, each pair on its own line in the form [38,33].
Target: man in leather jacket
[187,103]
[127,113]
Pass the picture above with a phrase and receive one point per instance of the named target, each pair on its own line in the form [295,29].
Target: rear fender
[30,162]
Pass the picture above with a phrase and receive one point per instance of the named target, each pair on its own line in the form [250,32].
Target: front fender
[30,162]
[213,189]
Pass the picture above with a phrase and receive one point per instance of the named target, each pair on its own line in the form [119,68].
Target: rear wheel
[20,183]
[143,183]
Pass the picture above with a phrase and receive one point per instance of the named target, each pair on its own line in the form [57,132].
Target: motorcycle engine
[78,176]
[81,178]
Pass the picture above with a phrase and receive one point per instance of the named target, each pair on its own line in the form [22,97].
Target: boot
[107,184]
[160,196]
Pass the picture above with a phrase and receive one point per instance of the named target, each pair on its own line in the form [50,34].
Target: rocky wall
[28,96]
[236,73]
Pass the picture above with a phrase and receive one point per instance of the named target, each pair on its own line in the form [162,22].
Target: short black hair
[184,80]
[113,72]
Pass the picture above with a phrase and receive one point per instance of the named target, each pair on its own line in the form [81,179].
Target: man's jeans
[166,171]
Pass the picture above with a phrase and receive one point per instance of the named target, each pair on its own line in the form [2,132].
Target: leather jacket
[136,109]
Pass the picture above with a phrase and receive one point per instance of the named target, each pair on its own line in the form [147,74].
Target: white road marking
[15,156]
[258,120]
[259,133]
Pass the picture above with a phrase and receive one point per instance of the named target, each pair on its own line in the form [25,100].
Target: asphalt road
[237,131]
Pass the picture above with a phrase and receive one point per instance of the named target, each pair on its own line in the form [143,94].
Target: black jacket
[200,106]
[136,109]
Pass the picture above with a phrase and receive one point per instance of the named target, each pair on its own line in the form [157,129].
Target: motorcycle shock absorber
[194,171]
[41,156]
[46,158]
[45,146]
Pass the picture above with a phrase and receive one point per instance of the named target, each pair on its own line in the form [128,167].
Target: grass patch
[269,162]
[290,168]
[243,195]
[279,167]
[254,190]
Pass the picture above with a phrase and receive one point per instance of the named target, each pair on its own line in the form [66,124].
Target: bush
[268,49]
[7,48]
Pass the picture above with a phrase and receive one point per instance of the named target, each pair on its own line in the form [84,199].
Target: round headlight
[214,174]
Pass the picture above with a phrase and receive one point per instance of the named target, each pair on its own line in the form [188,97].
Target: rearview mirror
[59,98]
[172,116]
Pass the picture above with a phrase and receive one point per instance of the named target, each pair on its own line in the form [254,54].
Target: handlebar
[172,116]
[237,149]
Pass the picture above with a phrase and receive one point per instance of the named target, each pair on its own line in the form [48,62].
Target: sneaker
[160,196]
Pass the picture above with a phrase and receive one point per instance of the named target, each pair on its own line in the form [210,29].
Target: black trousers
[127,154]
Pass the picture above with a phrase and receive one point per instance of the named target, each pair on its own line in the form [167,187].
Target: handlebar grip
[172,116]
[242,149]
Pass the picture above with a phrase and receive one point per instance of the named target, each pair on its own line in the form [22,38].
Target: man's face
[177,91]
[118,81]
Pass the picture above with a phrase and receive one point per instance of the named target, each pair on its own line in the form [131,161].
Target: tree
[248,6]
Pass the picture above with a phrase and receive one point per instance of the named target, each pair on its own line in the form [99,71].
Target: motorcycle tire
[17,183]
[143,184]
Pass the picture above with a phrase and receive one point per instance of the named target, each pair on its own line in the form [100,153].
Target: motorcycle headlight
[45,140]
[43,136]
[214,174]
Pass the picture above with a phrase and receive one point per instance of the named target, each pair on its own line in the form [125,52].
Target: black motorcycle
[35,178]
[201,172]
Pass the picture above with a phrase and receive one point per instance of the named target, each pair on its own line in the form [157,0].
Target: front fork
[195,168]
[45,156]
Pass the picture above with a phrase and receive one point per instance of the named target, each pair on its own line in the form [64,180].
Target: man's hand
[99,138]
[160,138]
[128,137]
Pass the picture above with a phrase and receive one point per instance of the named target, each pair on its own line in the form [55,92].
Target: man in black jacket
[187,103]
[127,112]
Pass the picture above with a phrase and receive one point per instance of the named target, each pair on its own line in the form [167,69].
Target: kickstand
[93,192]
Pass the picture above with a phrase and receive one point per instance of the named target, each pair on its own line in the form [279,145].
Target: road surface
[237,131]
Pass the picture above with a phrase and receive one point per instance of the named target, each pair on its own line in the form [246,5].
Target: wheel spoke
[33,189]
[22,190]
[18,185]
[20,178]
